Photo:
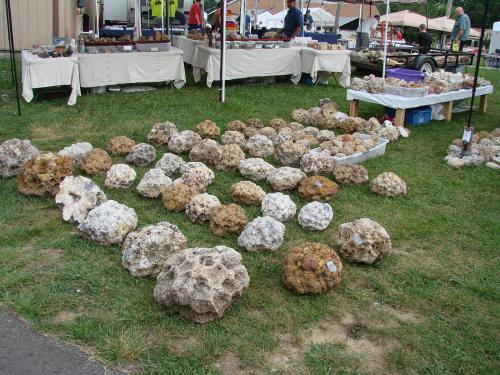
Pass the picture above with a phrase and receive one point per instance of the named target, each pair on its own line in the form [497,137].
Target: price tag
[127,48]
[331,266]
[154,49]
[467,135]
[357,239]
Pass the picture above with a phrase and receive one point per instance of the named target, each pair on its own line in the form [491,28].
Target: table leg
[353,108]
[399,119]
[447,108]
[483,103]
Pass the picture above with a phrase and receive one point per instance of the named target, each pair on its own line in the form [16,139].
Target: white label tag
[127,48]
[467,135]
[154,49]
[357,239]
[331,266]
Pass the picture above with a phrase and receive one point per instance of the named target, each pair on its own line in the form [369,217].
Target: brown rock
[268,132]
[250,131]
[237,125]
[351,174]
[120,145]
[230,157]
[228,218]
[247,192]
[352,124]
[208,129]
[289,152]
[278,123]
[207,152]
[96,161]
[176,197]
[255,123]
[43,174]
[311,268]
[317,188]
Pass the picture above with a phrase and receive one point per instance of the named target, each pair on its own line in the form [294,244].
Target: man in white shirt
[365,30]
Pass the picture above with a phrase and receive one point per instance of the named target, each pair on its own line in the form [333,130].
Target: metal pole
[97,5]
[385,36]
[11,58]
[162,18]
[427,14]
[12,53]
[337,17]
[222,96]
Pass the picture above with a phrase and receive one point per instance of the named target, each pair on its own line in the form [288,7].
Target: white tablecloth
[107,69]
[393,101]
[187,46]
[39,73]
[337,62]
[246,63]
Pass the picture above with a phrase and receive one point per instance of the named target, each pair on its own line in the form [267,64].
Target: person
[399,35]
[294,21]
[308,20]
[195,19]
[365,30]
[216,20]
[247,24]
[461,29]
[424,39]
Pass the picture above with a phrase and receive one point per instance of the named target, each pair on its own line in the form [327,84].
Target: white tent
[405,18]
[445,24]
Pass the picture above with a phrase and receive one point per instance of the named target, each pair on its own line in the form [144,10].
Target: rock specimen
[183,141]
[285,178]
[247,192]
[299,115]
[208,129]
[311,268]
[189,166]
[263,233]
[315,216]
[233,137]
[146,250]
[201,283]
[153,182]
[268,132]
[259,146]
[199,177]
[120,146]
[250,131]
[177,196]
[141,154]
[363,241]
[207,151]
[317,188]
[256,169]
[77,196]
[170,163]
[228,218]
[317,162]
[351,174]
[289,152]
[230,157]
[388,184]
[278,206]
[76,151]
[325,135]
[14,153]
[161,132]
[295,126]
[96,161]
[120,176]
[43,174]
[285,134]
[108,223]
[199,209]
[255,123]
[311,130]
[278,123]
[237,125]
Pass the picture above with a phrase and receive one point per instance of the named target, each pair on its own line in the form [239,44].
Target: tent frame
[12,54]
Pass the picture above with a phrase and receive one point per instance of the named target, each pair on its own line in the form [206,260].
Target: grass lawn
[430,307]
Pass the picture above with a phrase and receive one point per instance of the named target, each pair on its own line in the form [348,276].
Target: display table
[187,46]
[39,73]
[247,63]
[337,62]
[401,103]
[108,69]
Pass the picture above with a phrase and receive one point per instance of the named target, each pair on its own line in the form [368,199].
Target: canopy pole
[97,17]
[12,53]
[385,37]
[222,96]
[162,18]
[242,14]
[427,14]
[337,17]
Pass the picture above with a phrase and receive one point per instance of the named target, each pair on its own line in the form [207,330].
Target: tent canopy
[445,24]
[405,18]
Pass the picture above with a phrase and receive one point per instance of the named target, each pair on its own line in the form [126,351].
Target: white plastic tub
[407,92]
[153,47]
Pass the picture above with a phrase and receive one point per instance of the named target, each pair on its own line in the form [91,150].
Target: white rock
[278,206]
[153,182]
[120,176]
[325,135]
[315,216]
[76,151]
[285,178]
[455,162]
[256,169]
[233,137]
[141,154]
[317,162]
[170,163]
[263,233]
[14,153]
[259,146]
[200,208]
[183,141]
[492,165]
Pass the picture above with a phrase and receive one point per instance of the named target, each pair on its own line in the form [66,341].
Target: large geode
[256,169]
[14,153]
[228,218]
[176,197]
[289,153]
[260,146]
[351,174]
[278,206]
[311,268]
[201,283]
[96,161]
[247,192]
[229,157]
[207,151]
[120,145]
[208,129]
[317,188]
[120,176]
[183,141]
[141,154]
[161,132]
[285,178]
[317,162]
[263,233]
[388,184]
[199,209]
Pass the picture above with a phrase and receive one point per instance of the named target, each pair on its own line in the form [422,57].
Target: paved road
[24,352]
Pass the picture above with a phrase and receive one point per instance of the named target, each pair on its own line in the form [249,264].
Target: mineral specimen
[153,182]
[76,151]
[315,216]
[278,123]
[183,141]
[247,192]
[311,130]
[161,132]
[278,206]
[198,168]
[351,174]
[260,146]
[263,233]
[299,115]
[236,125]
[207,151]
[352,124]
[255,123]
[230,157]
[250,131]
[96,161]
[170,163]
[256,169]
[317,188]
[14,153]
[289,153]
[285,134]
[325,135]
[208,129]
[120,176]
[388,184]
[227,218]
[317,162]
[199,209]
[295,126]
[268,132]
[285,178]
[233,137]
[120,145]
[177,196]
[141,154]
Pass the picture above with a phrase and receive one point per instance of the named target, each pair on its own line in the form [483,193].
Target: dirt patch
[228,364]
[182,345]
[402,316]
[289,356]
[66,317]
[42,259]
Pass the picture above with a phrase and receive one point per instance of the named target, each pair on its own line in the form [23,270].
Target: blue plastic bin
[405,74]
[414,116]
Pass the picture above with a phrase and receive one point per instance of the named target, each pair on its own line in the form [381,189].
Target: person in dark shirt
[308,20]
[294,21]
[424,39]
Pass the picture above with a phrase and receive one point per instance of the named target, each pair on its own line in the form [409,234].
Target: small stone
[492,165]
[207,151]
[299,115]
[278,123]
[255,123]
[161,132]
[325,135]
[77,196]
[278,206]
[120,176]
[256,169]
[147,249]
[289,153]
[247,192]
[388,184]
[120,146]
[285,178]
[311,130]
[170,163]
[268,132]
[201,283]
[108,223]
[199,209]
[317,162]
[76,151]
[233,137]
[285,134]
[183,141]
[230,157]
[141,154]
[43,174]
[14,153]
[317,188]
[250,131]
[311,268]
[153,182]
[227,219]
[208,129]
[363,241]
[96,161]
[177,196]
[351,174]
[263,233]
[315,216]
[237,125]
[260,146]
[295,126]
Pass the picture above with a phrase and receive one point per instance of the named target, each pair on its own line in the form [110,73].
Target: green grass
[444,273]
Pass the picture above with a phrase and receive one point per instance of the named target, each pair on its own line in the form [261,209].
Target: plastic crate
[405,74]
[414,116]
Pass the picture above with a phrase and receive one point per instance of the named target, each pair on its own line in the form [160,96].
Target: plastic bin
[405,74]
[407,92]
[414,116]
[153,47]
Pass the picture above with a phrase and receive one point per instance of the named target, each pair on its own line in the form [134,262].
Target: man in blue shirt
[461,29]
[294,21]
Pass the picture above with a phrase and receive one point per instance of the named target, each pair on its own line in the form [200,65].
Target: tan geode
[96,161]
[43,174]
[278,123]
[207,152]
[120,145]
[351,174]
[208,129]
[230,157]
[228,218]
[388,184]
[247,192]
[311,268]
[176,197]
[289,153]
[317,188]
[237,125]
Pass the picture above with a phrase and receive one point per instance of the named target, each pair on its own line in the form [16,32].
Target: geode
[183,141]
[141,154]
[289,153]
[14,153]
[247,192]
[230,157]
[317,188]
[120,176]
[161,132]
[260,146]
[96,161]
[207,151]
[351,174]
[227,218]
[278,206]
[256,169]
[153,182]
[285,178]
[176,197]
[208,129]
[388,184]
[199,209]
[263,233]
[120,146]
